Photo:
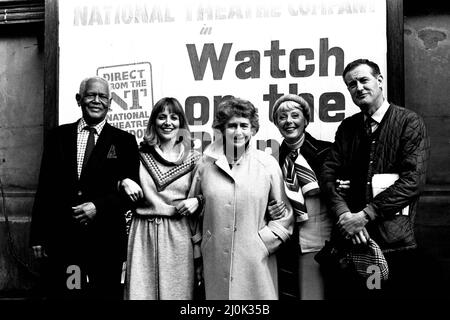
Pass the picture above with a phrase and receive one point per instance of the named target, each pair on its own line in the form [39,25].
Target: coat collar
[215,151]
[379,114]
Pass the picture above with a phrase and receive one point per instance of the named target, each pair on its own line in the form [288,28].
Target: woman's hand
[39,252]
[276,209]
[342,187]
[131,189]
[187,206]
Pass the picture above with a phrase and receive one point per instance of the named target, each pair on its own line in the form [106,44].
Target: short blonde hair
[291,101]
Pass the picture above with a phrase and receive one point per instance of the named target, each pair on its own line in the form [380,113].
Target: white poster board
[201,51]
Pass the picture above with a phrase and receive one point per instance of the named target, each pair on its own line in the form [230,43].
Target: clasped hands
[352,226]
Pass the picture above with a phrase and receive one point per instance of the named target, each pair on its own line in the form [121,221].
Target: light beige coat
[238,241]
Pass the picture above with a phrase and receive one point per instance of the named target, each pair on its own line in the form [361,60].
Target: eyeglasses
[91,96]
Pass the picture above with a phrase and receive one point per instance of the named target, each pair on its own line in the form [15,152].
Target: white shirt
[378,115]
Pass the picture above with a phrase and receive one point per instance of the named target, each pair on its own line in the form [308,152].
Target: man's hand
[342,187]
[187,206]
[351,223]
[131,189]
[39,252]
[361,237]
[84,213]
[276,209]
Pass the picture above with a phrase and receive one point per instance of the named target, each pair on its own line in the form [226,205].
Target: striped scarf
[300,181]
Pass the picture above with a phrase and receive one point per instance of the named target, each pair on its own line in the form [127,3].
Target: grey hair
[85,81]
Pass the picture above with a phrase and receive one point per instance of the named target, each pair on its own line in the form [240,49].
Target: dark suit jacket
[114,157]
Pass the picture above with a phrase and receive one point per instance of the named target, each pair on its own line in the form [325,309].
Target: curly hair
[235,107]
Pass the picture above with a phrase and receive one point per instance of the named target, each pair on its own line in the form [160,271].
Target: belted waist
[153,217]
[149,212]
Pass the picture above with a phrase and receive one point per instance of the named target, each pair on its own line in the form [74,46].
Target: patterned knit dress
[160,263]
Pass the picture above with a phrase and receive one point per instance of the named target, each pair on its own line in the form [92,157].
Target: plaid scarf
[300,181]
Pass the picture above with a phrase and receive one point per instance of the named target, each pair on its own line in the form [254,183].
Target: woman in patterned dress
[160,263]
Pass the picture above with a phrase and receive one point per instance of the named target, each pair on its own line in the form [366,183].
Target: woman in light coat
[237,181]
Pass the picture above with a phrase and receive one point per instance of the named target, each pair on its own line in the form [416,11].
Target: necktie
[90,145]
[368,126]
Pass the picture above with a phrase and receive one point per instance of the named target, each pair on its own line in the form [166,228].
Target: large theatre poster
[200,52]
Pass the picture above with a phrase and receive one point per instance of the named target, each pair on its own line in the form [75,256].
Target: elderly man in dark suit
[78,221]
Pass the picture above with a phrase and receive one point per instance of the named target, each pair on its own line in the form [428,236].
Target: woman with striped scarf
[300,158]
